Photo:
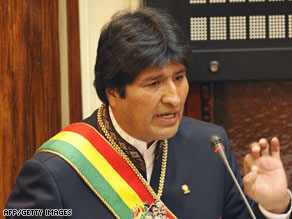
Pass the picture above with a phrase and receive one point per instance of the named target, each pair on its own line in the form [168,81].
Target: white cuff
[270,215]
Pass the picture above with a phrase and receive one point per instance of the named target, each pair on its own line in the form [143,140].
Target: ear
[112,95]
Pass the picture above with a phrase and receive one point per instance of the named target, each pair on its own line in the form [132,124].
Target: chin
[168,134]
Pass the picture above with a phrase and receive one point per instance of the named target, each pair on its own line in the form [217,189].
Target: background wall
[252,110]
[93,15]
[62,22]
[39,43]
[30,83]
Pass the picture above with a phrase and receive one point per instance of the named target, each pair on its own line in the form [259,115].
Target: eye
[179,77]
[154,84]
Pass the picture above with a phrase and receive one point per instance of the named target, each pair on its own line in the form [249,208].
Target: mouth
[167,115]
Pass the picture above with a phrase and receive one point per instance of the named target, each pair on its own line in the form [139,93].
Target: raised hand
[265,179]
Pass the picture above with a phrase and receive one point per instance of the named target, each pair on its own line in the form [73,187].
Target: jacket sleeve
[35,188]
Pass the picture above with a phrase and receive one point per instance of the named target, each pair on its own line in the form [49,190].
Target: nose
[171,94]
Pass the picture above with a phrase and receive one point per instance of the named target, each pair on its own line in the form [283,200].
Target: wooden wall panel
[29,82]
[193,106]
[248,111]
[251,110]
[74,61]
[200,102]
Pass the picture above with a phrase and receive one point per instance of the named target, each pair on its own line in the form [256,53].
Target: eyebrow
[153,77]
[156,77]
[180,71]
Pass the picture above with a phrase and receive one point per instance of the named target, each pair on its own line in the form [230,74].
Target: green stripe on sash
[91,174]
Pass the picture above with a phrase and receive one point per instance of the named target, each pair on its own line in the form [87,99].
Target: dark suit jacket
[46,181]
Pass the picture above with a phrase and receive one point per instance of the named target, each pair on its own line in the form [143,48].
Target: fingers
[249,183]
[250,172]
[264,144]
[275,147]
[255,150]
[262,148]
[249,164]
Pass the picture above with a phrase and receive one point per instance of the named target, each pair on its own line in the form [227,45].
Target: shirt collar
[141,146]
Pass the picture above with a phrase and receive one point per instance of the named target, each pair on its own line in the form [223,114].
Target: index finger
[255,150]
[264,144]
[249,164]
[275,147]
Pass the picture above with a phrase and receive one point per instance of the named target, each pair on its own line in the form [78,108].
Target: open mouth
[167,116]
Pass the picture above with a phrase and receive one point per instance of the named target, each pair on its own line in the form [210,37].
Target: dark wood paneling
[193,106]
[29,81]
[74,66]
[207,102]
[200,102]
[251,110]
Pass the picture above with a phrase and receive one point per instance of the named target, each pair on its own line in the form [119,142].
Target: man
[137,156]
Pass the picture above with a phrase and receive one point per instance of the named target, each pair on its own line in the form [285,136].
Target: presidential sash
[116,183]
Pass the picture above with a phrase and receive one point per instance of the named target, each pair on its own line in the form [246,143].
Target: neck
[137,143]
[150,143]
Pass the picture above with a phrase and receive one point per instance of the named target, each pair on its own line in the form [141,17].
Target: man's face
[153,105]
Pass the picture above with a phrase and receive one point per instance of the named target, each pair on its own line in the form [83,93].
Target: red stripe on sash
[115,160]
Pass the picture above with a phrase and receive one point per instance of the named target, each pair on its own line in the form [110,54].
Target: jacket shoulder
[195,127]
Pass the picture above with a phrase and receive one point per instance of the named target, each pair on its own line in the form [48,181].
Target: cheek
[145,112]
[145,105]
[147,102]
[140,109]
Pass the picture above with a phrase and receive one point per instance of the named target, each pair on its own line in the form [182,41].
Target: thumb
[249,183]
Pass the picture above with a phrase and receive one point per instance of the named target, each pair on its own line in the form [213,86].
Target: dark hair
[134,41]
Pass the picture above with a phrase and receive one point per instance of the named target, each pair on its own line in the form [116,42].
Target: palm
[265,178]
[271,180]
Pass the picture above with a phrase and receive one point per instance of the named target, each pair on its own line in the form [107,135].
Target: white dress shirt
[147,152]
[148,155]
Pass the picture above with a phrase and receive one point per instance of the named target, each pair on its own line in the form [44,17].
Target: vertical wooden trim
[200,102]
[207,102]
[74,63]
[193,103]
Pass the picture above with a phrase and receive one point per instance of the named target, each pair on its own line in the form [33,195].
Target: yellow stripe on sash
[127,194]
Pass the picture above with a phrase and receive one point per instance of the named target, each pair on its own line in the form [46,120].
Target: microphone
[219,149]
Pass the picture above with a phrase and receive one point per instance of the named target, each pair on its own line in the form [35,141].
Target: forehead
[169,69]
